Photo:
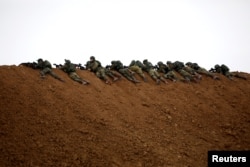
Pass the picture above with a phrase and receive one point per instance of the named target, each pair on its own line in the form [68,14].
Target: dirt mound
[44,122]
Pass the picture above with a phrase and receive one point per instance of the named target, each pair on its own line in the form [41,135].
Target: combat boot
[163,80]
[158,81]
[216,77]
[108,82]
[84,82]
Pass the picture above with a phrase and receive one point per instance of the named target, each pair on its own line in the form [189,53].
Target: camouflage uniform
[70,69]
[46,68]
[223,69]
[118,66]
[135,68]
[149,68]
[114,75]
[192,71]
[201,70]
[178,66]
[168,74]
[96,67]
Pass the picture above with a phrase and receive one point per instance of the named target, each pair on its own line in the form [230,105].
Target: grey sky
[208,32]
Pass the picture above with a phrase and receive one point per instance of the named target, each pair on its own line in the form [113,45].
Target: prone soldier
[178,66]
[70,69]
[96,67]
[201,70]
[168,73]
[149,68]
[118,66]
[224,70]
[134,66]
[46,68]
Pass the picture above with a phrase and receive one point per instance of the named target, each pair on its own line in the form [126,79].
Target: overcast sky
[208,32]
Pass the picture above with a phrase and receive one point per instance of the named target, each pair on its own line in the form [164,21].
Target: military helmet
[40,60]
[196,64]
[67,61]
[169,62]
[92,57]
[112,62]
[188,63]
[217,66]
[160,62]
[145,60]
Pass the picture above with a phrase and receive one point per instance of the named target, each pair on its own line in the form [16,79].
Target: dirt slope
[44,122]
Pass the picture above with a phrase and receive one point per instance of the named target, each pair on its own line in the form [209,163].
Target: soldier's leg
[122,71]
[76,78]
[189,70]
[110,74]
[138,70]
[141,74]
[238,76]
[128,75]
[171,75]
[131,75]
[55,76]
[117,75]
[45,71]
[229,75]
[192,72]
[159,77]
[188,77]
[207,73]
[101,74]
[153,76]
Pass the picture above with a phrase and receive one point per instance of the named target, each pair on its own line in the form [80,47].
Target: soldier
[70,69]
[168,73]
[46,68]
[149,68]
[118,66]
[135,68]
[112,74]
[201,70]
[178,66]
[96,67]
[223,69]
[192,71]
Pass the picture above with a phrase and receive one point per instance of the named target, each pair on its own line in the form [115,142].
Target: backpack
[138,63]
[119,65]
[178,65]
[166,68]
[195,66]
[47,64]
[224,69]
[71,68]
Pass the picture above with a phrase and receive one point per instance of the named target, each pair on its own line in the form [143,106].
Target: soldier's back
[47,64]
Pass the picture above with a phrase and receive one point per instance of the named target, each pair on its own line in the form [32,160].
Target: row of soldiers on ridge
[188,72]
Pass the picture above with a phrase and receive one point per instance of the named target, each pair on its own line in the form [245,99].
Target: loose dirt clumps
[45,122]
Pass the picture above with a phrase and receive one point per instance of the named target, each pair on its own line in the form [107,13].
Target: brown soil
[44,122]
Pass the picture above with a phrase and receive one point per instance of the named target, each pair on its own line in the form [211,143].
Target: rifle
[156,67]
[213,70]
[33,65]
[58,65]
[108,66]
[80,66]
[235,74]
